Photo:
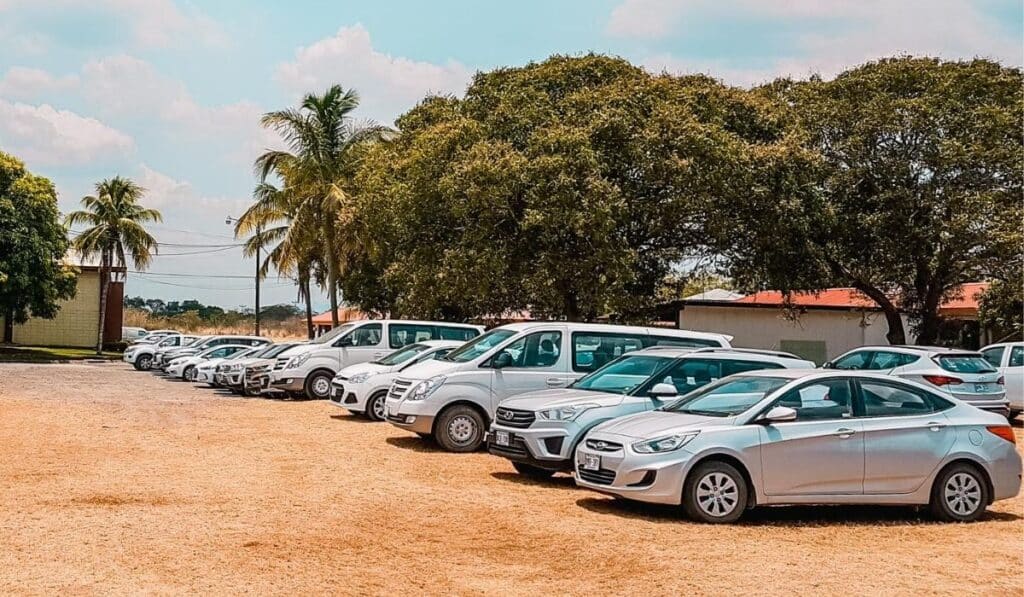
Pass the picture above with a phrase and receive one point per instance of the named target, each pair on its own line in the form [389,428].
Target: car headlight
[664,444]
[359,377]
[566,413]
[298,361]
[236,367]
[426,387]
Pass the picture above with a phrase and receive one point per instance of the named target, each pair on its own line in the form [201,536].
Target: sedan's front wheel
[960,494]
[189,374]
[144,363]
[375,406]
[715,492]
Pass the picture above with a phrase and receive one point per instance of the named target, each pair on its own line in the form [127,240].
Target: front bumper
[654,478]
[175,370]
[545,445]
[128,358]
[205,375]
[412,415]
[287,381]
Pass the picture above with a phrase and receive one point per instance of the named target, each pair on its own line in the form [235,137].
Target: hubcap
[145,362]
[462,429]
[717,494]
[378,407]
[963,494]
[321,386]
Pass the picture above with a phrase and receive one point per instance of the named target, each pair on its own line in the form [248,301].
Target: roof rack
[771,353]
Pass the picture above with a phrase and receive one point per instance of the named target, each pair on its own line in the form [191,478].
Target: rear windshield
[965,363]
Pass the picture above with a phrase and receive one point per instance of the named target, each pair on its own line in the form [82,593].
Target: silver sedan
[806,437]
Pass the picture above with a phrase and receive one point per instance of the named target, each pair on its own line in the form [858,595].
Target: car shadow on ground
[787,516]
[415,444]
[350,418]
[557,481]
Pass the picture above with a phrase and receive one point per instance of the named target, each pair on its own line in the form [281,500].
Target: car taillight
[942,380]
[1003,431]
[1001,381]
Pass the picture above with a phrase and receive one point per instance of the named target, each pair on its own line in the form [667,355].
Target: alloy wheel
[717,494]
[378,407]
[962,494]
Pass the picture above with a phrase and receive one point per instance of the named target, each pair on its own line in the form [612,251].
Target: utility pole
[259,246]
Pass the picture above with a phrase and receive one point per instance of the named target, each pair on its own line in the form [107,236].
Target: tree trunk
[332,270]
[930,322]
[896,333]
[9,327]
[104,283]
[304,282]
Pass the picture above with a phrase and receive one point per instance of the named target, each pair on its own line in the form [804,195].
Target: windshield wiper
[704,413]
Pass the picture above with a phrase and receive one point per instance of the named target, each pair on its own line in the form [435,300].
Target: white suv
[142,355]
[454,399]
[539,431]
[311,367]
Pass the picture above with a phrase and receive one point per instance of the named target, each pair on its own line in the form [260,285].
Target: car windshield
[965,363]
[622,375]
[402,354]
[167,342]
[244,353]
[272,351]
[197,341]
[726,397]
[479,345]
[208,351]
[331,335]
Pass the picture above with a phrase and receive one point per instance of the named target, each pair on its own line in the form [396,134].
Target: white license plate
[981,388]
[591,462]
[501,438]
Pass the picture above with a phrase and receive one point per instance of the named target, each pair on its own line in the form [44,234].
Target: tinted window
[885,360]
[994,356]
[479,346]
[1016,357]
[965,364]
[403,354]
[727,397]
[623,375]
[367,335]
[855,360]
[689,374]
[591,351]
[831,399]
[540,349]
[401,334]
[447,333]
[889,400]
[731,367]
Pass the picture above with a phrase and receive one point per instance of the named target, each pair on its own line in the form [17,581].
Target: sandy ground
[115,481]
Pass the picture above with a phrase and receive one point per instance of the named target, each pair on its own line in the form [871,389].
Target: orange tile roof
[344,314]
[965,303]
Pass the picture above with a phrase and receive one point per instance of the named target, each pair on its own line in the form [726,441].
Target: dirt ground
[116,481]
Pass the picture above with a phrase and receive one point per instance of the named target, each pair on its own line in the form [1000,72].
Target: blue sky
[170,93]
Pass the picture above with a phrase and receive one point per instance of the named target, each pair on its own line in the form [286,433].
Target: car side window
[540,349]
[884,359]
[994,356]
[856,360]
[367,335]
[403,334]
[464,334]
[730,367]
[882,399]
[819,401]
[593,350]
[1016,357]
[689,374]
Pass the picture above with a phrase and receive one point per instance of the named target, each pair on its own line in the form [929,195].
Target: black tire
[318,380]
[460,428]
[248,392]
[144,362]
[1013,415]
[425,436]
[959,494]
[189,374]
[715,493]
[533,472]
[375,406]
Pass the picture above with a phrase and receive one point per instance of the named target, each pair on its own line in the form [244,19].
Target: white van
[309,369]
[454,399]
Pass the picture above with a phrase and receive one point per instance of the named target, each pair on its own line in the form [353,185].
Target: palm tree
[115,232]
[321,136]
[280,219]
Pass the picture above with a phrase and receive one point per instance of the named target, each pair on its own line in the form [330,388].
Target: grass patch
[50,354]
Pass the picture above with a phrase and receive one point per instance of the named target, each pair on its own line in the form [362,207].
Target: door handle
[844,433]
[555,382]
[934,426]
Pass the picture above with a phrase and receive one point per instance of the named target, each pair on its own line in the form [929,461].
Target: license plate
[501,438]
[265,383]
[981,387]
[591,462]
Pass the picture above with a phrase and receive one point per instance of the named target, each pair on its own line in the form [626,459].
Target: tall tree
[115,233]
[893,178]
[33,244]
[322,138]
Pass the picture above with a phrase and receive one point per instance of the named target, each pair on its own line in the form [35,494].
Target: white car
[165,357]
[362,388]
[231,374]
[963,374]
[312,367]
[454,399]
[1008,359]
[540,431]
[205,370]
[132,334]
[185,366]
[142,355]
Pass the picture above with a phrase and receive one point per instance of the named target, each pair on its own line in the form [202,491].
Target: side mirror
[827,365]
[663,390]
[501,360]
[779,414]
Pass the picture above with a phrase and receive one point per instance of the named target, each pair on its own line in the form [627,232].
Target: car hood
[427,369]
[351,370]
[658,423]
[211,363]
[544,399]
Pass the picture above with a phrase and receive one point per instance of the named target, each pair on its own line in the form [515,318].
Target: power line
[180,245]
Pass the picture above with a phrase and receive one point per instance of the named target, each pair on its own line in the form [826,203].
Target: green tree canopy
[33,243]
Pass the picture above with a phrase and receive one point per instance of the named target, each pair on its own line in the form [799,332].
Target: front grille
[603,446]
[399,388]
[515,418]
[598,477]
[516,447]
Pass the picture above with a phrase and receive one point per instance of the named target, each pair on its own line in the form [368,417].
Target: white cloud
[388,85]
[26,84]
[46,136]
[163,191]
[844,33]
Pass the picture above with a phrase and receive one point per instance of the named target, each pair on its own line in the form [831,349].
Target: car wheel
[533,472]
[144,362]
[375,406]
[460,429]
[318,385]
[960,494]
[715,492]
[1013,415]
[248,391]
[189,374]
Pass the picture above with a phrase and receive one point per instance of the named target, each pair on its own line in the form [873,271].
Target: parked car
[782,437]
[1008,359]
[165,353]
[154,336]
[963,374]
[131,334]
[205,370]
[454,399]
[362,388]
[311,369]
[185,366]
[255,376]
[141,355]
[539,431]
[231,375]
[207,342]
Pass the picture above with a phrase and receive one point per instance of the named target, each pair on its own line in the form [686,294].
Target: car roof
[1003,344]
[917,350]
[675,352]
[419,322]
[606,327]
[441,343]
